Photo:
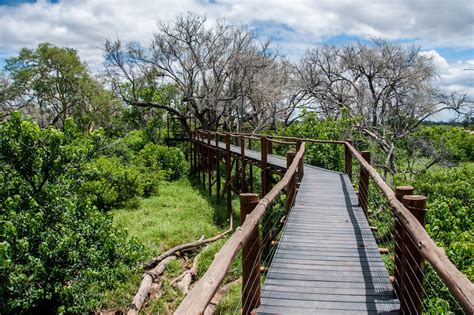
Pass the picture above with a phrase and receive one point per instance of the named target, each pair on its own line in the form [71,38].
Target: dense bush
[450,217]
[162,158]
[111,184]
[329,156]
[57,252]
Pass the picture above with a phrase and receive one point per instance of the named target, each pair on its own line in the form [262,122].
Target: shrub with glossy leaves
[162,158]
[111,184]
[57,252]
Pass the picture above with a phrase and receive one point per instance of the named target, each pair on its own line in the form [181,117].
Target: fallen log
[147,281]
[183,248]
[187,277]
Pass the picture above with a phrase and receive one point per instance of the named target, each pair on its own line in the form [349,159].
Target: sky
[444,29]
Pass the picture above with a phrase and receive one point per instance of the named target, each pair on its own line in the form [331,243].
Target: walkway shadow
[378,295]
[218,204]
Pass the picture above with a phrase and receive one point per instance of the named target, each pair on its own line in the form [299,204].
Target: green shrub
[162,158]
[58,254]
[329,156]
[111,184]
[127,147]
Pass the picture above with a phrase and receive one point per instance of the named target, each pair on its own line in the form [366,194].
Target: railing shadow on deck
[422,246]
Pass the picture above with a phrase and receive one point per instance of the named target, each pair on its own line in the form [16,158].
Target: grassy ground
[180,213]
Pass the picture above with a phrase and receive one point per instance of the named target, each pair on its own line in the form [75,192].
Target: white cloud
[453,76]
[85,24]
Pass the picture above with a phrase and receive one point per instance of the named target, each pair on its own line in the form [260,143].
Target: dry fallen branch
[184,247]
[187,277]
[147,281]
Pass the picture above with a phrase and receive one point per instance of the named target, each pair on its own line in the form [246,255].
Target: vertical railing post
[191,153]
[364,185]
[250,258]
[400,192]
[291,188]
[203,160]
[209,163]
[251,169]
[348,159]
[413,261]
[242,156]
[218,169]
[228,175]
[195,153]
[300,163]
[264,164]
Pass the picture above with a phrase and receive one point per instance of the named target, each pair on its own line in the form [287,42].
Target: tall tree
[387,87]
[218,70]
[52,84]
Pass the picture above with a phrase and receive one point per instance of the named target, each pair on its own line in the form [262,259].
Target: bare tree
[387,87]
[218,71]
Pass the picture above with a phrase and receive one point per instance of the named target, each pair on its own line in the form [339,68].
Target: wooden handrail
[457,283]
[282,142]
[200,296]
[288,138]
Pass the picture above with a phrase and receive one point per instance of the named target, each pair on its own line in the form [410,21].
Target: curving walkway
[327,260]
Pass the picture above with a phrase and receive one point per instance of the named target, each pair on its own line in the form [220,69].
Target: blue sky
[443,29]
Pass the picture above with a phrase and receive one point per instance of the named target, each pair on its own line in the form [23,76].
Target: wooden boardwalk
[327,260]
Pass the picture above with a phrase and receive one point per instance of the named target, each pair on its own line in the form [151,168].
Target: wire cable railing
[424,279]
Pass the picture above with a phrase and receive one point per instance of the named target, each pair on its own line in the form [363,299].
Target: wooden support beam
[242,156]
[264,165]
[228,178]
[209,164]
[299,143]
[413,262]
[400,192]
[291,188]
[348,159]
[364,185]
[250,257]
[218,168]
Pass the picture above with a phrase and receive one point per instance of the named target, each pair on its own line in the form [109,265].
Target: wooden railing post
[195,152]
[291,188]
[209,163]
[251,169]
[412,261]
[364,185]
[348,159]
[191,153]
[300,163]
[269,146]
[400,192]
[202,162]
[250,258]
[228,184]
[242,156]
[218,169]
[264,165]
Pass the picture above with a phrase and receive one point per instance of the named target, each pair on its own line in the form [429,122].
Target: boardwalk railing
[245,237]
[410,242]
[398,219]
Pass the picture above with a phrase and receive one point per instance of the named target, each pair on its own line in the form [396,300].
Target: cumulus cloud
[453,76]
[294,25]
[86,23]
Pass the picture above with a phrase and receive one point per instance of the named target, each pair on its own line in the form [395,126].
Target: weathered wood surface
[327,261]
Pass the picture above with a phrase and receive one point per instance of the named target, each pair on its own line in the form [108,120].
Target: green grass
[181,212]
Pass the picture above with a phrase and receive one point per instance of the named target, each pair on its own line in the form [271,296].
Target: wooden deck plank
[327,260]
